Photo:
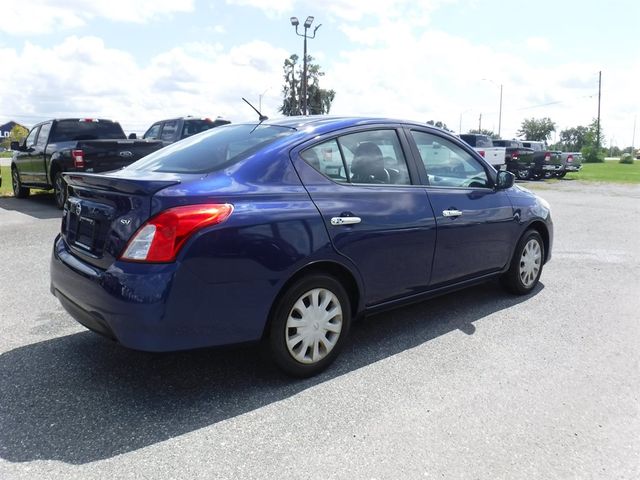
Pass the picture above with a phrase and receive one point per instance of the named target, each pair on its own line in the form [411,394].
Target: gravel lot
[476,384]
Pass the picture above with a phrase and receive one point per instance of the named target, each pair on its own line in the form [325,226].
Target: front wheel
[309,325]
[59,190]
[18,190]
[526,265]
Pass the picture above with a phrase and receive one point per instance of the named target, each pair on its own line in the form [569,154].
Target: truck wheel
[548,174]
[309,325]
[523,174]
[59,190]
[561,174]
[526,264]
[18,190]
[535,175]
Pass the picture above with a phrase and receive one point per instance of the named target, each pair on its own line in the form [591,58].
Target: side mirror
[132,136]
[15,145]
[505,180]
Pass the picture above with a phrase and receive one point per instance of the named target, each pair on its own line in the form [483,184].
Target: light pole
[306,25]
[500,109]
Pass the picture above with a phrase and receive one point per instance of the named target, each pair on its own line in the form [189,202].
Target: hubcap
[530,262]
[313,326]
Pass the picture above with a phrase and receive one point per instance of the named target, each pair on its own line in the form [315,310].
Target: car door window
[153,132]
[43,136]
[169,130]
[31,139]
[371,157]
[447,164]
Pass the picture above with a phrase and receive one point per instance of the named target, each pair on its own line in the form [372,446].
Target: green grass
[5,189]
[613,172]
[6,154]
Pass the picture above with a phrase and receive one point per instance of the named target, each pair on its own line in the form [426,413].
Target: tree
[573,139]
[439,124]
[17,134]
[483,131]
[319,100]
[536,129]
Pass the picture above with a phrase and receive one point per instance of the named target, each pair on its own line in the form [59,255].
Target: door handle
[345,220]
[451,213]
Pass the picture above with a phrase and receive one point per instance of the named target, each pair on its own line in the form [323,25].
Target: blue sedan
[285,231]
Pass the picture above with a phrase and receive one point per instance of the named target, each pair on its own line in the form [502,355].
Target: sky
[139,61]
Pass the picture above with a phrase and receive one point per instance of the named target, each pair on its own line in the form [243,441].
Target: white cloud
[538,44]
[83,77]
[46,16]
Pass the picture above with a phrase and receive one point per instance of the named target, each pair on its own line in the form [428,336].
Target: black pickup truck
[519,159]
[71,145]
[548,163]
[174,129]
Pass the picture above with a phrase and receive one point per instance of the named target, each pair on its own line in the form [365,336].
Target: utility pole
[599,97]
[307,25]
[500,114]
[480,123]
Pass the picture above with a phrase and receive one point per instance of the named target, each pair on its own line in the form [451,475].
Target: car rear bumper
[154,307]
[551,168]
[573,168]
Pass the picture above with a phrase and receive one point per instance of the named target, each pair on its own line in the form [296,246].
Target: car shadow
[39,205]
[80,398]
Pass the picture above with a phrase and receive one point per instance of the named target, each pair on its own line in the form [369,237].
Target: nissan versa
[285,231]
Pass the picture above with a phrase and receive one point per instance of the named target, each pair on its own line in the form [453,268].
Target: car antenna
[261,117]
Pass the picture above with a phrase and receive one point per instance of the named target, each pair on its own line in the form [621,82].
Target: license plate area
[85,234]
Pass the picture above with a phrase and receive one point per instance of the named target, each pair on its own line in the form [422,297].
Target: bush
[626,158]
[591,154]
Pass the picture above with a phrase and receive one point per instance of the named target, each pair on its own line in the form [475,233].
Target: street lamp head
[294,21]
[308,22]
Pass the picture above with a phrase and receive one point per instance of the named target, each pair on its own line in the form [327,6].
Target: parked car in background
[547,162]
[519,159]
[571,162]
[174,129]
[284,231]
[71,145]
[483,144]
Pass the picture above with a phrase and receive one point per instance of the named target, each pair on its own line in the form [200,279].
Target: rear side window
[43,136]
[169,130]
[214,150]
[191,127]
[73,130]
[371,157]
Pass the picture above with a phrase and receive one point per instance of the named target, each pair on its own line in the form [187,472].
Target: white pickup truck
[484,146]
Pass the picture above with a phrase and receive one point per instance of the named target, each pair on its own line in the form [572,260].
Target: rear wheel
[523,174]
[548,174]
[526,265]
[309,325]
[561,174]
[18,190]
[59,190]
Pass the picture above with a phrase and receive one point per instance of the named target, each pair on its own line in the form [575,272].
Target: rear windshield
[72,130]
[212,150]
[477,140]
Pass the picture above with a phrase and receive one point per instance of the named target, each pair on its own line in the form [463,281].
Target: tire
[526,265]
[561,174]
[59,190]
[535,175]
[548,174]
[303,340]
[523,174]
[18,190]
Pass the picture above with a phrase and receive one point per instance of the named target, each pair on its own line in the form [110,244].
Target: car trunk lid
[103,211]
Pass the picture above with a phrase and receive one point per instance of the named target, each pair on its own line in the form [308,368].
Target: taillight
[547,157]
[160,238]
[78,158]
[515,155]
[570,159]
[481,152]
